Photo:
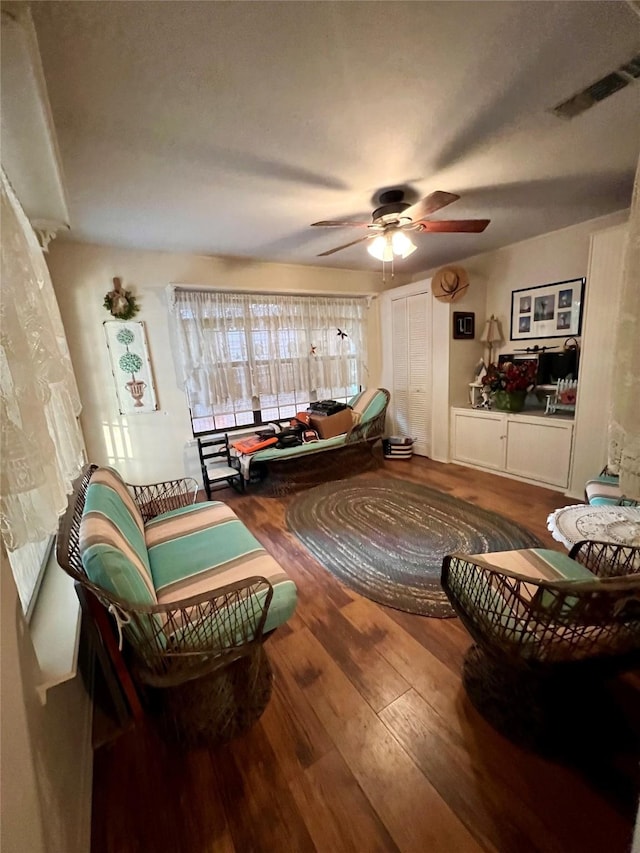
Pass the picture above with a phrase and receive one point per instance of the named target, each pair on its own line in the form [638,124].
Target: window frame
[28,602]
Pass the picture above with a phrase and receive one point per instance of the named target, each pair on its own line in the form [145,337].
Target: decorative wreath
[120,303]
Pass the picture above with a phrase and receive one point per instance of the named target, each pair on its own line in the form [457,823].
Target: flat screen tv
[551,365]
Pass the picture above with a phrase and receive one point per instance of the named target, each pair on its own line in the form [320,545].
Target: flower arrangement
[511,376]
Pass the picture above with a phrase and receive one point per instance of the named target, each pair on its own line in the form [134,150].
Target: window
[248,359]
[42,447]
[28,564]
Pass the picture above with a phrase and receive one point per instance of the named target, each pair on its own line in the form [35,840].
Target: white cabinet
[531,447]
[539,450]
[478,438]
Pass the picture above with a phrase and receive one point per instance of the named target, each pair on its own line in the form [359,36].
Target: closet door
[411,348]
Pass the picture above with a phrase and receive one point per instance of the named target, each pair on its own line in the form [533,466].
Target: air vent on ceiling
[598,91]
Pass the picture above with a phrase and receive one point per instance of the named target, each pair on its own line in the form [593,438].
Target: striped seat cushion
[603,490]
[205,546]
[367,404]
[112,545]
[539,564]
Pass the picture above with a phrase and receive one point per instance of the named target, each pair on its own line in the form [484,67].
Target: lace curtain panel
[233,349]
[42,445]
[624,425]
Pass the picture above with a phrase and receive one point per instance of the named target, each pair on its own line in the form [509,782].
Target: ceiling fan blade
[429,204]
[346,245]
[451,226]
[334,223]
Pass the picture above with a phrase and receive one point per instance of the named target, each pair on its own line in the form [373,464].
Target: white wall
[46,760]
[151,447]
[556,256]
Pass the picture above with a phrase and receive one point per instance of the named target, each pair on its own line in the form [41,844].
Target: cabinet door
[479,439]
[539,451]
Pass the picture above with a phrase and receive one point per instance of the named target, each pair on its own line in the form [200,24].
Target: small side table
[617,524]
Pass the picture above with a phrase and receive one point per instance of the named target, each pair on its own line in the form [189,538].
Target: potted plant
[509,383]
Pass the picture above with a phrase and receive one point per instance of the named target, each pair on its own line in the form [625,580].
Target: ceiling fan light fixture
[381,248]
[402,245]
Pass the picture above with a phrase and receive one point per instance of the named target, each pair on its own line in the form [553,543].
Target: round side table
[617,524]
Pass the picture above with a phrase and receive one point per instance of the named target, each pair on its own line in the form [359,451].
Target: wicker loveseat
[542,621]
[297,467]
[191,590]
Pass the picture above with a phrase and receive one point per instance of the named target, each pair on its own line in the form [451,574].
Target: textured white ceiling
[226,128]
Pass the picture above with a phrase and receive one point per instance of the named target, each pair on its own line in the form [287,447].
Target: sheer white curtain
[42,446]
[624,427]
[234,349]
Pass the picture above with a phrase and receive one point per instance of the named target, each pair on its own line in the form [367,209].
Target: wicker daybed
[291,469]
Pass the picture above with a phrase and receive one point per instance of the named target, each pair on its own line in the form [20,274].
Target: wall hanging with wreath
[120,303]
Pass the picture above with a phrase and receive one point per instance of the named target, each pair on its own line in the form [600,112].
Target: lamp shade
[381,248]
[385,246]
[492,333]
[402,245]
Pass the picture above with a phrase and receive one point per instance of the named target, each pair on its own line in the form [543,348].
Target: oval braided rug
[385,538]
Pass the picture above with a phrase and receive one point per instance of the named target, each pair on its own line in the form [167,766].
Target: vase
[509,401]
[136,388]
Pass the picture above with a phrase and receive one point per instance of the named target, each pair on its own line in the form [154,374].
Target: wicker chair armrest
[607,559]
[155,498]
[461,562]
[176,641]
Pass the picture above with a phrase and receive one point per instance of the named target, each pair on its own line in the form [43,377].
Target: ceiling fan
[394,217]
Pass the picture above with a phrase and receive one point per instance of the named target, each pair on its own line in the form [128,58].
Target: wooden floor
[369,742]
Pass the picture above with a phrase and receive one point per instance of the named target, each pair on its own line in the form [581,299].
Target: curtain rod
[203,289]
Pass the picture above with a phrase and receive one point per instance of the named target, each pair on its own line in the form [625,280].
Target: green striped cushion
[538,563]
[367,404]
[205,546]
[109,477]
[603,490]
[300,450]
[112,545]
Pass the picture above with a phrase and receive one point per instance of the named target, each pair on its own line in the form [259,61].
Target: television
[551,365]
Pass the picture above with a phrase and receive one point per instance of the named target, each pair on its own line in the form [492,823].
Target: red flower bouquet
[511,376]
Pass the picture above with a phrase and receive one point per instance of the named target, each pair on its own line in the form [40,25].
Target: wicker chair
[168,645]
[536,637]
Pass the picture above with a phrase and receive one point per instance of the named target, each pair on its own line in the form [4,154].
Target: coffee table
[617,524]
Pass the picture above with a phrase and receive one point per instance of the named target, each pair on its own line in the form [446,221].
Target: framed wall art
[464,325]
[130,366]
[548,310]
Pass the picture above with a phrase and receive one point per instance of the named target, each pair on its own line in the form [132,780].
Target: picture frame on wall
[464,325]
[548,310]
[130,366]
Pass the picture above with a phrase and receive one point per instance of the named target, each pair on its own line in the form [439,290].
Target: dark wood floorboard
[369,742]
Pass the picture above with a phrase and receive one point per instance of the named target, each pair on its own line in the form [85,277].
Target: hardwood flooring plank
[435,682]
[261,813]
[372,675]
[338,814]
[413,812]
[469,791]
[294,731]
[152,789]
